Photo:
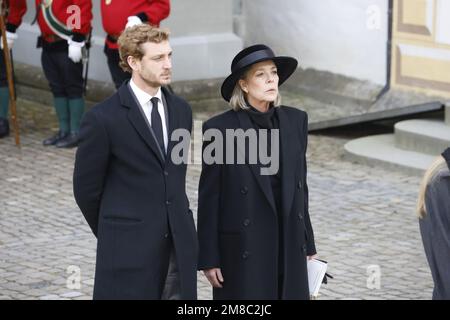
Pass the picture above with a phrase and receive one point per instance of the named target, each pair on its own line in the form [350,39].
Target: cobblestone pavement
[363,218]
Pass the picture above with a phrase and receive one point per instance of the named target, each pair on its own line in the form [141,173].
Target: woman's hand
[214,277]
[313,257]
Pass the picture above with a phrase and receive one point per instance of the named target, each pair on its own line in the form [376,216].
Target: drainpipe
[387,86]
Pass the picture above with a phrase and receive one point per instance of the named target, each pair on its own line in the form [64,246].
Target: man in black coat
[127,185]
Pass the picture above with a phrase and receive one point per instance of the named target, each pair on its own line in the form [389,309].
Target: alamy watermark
[374,15]
[73,281]
[234,146]
[373,277]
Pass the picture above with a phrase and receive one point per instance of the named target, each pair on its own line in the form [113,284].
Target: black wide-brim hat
[251,55]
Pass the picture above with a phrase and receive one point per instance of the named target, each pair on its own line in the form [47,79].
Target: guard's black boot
[70,141]
[55,138]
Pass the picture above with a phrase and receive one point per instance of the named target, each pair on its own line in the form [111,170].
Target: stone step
[380,150]
[422,135]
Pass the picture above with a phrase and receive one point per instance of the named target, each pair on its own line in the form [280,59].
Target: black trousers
[64,76]
[3,77]
[172,289]
[117,74]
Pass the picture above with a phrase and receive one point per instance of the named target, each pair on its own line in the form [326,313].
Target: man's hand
[10,38]
[75,50]
[214,277]
[313,257]
[133,21]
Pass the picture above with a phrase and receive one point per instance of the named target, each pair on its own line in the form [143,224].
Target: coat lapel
[170,106]
[136,118]
[290,154]
[263,181]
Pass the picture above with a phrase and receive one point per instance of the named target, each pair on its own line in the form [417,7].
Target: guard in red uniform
[16,9]
[120,14]
[65,25]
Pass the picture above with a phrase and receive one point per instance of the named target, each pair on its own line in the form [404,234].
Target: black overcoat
[237,217]
[134,200]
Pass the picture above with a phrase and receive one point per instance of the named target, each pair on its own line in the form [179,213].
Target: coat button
[245,255]
[166,235]
[300,185]
[168,202]
[300,216]
[244,190]
[166,173]
[246,222]
[304,249]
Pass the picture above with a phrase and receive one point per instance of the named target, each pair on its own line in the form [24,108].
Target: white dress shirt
[147,106]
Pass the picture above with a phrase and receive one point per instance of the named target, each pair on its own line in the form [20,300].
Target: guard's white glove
[133,21]
[10,38]
[75,50]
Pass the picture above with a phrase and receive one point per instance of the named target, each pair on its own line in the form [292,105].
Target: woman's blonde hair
[432,171]
[237,100]
[131,40]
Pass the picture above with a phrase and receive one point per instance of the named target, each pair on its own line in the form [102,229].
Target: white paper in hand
[316,272]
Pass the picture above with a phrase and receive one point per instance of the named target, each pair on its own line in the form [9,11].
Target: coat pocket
[230,246]
[128,244]
[125,220]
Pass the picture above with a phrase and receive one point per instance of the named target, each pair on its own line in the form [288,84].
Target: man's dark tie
[157,125]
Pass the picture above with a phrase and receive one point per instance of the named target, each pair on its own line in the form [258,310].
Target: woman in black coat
[254,229]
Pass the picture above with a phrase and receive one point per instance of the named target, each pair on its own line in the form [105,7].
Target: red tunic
[17,9]
[116,13]
[59,8]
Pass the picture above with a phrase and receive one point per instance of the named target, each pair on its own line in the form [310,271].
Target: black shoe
[70,141]
[55,139]
[4,127]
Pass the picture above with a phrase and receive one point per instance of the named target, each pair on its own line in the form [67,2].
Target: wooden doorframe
[419,62]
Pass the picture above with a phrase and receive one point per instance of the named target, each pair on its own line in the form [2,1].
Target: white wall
[347,37]
[201,35]
[329,35]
